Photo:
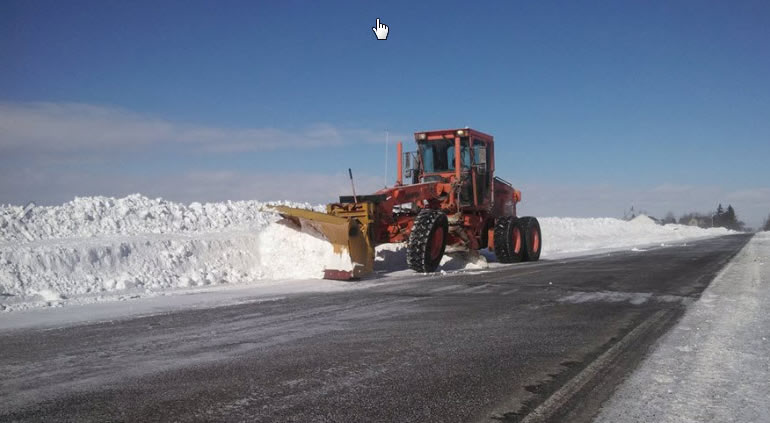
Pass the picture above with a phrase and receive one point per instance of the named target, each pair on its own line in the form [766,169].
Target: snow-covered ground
[98,248]
[713,366]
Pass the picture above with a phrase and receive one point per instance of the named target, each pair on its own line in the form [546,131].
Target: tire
[427,241]
[533,238]
[509,240]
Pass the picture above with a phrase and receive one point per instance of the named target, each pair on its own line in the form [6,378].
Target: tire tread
[417,255]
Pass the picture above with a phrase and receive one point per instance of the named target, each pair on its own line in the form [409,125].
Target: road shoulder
[713,365]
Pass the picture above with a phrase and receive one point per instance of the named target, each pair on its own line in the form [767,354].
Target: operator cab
[435,161]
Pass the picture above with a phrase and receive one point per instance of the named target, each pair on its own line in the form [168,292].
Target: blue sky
[595,106]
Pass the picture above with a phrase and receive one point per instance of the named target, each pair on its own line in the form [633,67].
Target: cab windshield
[439,155]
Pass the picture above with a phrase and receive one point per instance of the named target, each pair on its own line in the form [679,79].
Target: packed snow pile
[98,247]
[131,215]
[568,236]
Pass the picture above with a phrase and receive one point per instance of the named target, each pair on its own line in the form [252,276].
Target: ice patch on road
[635,298]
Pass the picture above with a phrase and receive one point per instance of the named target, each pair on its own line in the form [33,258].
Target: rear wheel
[533,241]
[427,241]
[509,240]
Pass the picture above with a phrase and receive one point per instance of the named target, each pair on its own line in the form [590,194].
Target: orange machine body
[465,189]
[446,198]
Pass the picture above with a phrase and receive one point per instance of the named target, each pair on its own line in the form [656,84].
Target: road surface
[713,366]
[544,341]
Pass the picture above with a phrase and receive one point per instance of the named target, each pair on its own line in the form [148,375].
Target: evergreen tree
[719,216]
[767,224]
[730,220]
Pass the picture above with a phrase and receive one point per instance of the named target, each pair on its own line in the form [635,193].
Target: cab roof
[451,134]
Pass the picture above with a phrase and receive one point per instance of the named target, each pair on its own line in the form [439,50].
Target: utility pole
[387,135]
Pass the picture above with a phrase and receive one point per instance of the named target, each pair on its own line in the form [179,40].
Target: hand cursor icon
[381,30]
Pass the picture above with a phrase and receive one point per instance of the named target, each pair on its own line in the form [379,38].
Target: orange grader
[446,198]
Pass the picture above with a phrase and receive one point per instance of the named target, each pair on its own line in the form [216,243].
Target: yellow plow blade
[347,234]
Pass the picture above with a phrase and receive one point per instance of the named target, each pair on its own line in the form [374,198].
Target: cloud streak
[60,128]
[48,187]
[51,152]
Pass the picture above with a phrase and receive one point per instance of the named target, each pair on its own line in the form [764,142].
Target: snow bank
[568,236]
[132,215]
[96,247]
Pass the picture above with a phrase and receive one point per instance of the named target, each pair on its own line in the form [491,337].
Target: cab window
[439,155]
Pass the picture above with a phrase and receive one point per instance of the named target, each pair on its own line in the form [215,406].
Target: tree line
[721,218]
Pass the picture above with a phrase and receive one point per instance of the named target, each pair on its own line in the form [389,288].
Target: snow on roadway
[713,366]
[100,248]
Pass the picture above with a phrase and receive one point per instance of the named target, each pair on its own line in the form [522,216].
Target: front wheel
[427,241]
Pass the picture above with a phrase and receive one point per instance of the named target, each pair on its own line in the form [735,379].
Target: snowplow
[446,198]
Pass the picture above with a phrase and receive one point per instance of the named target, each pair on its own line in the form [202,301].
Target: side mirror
[480,159]
[481,155]
[410,161]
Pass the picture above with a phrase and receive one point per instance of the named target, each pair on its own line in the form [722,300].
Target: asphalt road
[545,341]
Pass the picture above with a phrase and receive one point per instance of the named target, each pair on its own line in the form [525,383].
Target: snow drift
[569,236]
[98,246]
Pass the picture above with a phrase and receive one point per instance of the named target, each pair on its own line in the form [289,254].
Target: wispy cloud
[56,128]
[45,186]
[51,152]
[51,186]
